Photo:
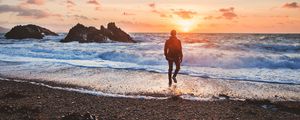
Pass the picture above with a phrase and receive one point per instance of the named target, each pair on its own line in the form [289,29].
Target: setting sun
[185,25]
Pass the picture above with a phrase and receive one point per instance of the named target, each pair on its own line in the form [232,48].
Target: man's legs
[170,71]
[177,63]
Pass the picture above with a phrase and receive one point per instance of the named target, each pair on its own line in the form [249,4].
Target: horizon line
[204,32]
[223,32]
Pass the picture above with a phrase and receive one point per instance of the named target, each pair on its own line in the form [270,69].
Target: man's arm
[166,49]
[181,55]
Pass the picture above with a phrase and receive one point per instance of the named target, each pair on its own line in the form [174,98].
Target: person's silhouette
[173,53]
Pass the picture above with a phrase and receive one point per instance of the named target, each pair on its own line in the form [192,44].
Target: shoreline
[173,91]
[131,82]
[21,100]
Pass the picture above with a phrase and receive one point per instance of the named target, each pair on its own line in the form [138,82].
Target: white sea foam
[209,55]
[139,83]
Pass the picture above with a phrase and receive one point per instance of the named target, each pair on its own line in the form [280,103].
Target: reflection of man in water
[173,53]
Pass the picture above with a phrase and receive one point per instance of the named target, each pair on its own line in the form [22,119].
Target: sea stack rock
[84,34]
[28,31]
[117,34]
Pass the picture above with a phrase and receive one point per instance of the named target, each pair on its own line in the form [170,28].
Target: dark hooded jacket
[173,49]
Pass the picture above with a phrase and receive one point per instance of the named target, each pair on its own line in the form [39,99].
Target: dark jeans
[177,63]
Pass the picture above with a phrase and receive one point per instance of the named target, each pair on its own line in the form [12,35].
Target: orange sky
[238,16]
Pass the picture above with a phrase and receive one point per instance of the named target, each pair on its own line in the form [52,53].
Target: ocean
[247,59]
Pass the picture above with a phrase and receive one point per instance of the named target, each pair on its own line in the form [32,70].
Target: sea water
[214,60]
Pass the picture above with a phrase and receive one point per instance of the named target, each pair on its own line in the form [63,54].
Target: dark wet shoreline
[27,101]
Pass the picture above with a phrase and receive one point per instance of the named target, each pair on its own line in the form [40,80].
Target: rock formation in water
[28,31]
[116,34]
[84,34]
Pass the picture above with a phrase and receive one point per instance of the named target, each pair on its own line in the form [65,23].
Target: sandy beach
[23,100]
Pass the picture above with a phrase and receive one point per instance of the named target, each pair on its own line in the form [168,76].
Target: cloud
[212,17]
[98,8]
[160,13]
[70,2]
[231,9]
[128,14]
[77,17]
[23,11]
[82,17]
[95,19]
[27,3]
[95,2]
[185,14]
[70,5]
[26,12]
[280,16]
[165,15]
[152,5]
[291,5]
[228,13]
[35,2]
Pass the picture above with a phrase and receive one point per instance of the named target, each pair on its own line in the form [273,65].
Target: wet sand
[27,101]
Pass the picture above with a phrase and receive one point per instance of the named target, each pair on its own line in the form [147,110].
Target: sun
[185,25]
[185,29]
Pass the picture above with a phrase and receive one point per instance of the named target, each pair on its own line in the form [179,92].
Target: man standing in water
[173,53]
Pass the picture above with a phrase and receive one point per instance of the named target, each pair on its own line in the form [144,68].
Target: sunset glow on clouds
[265,16]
